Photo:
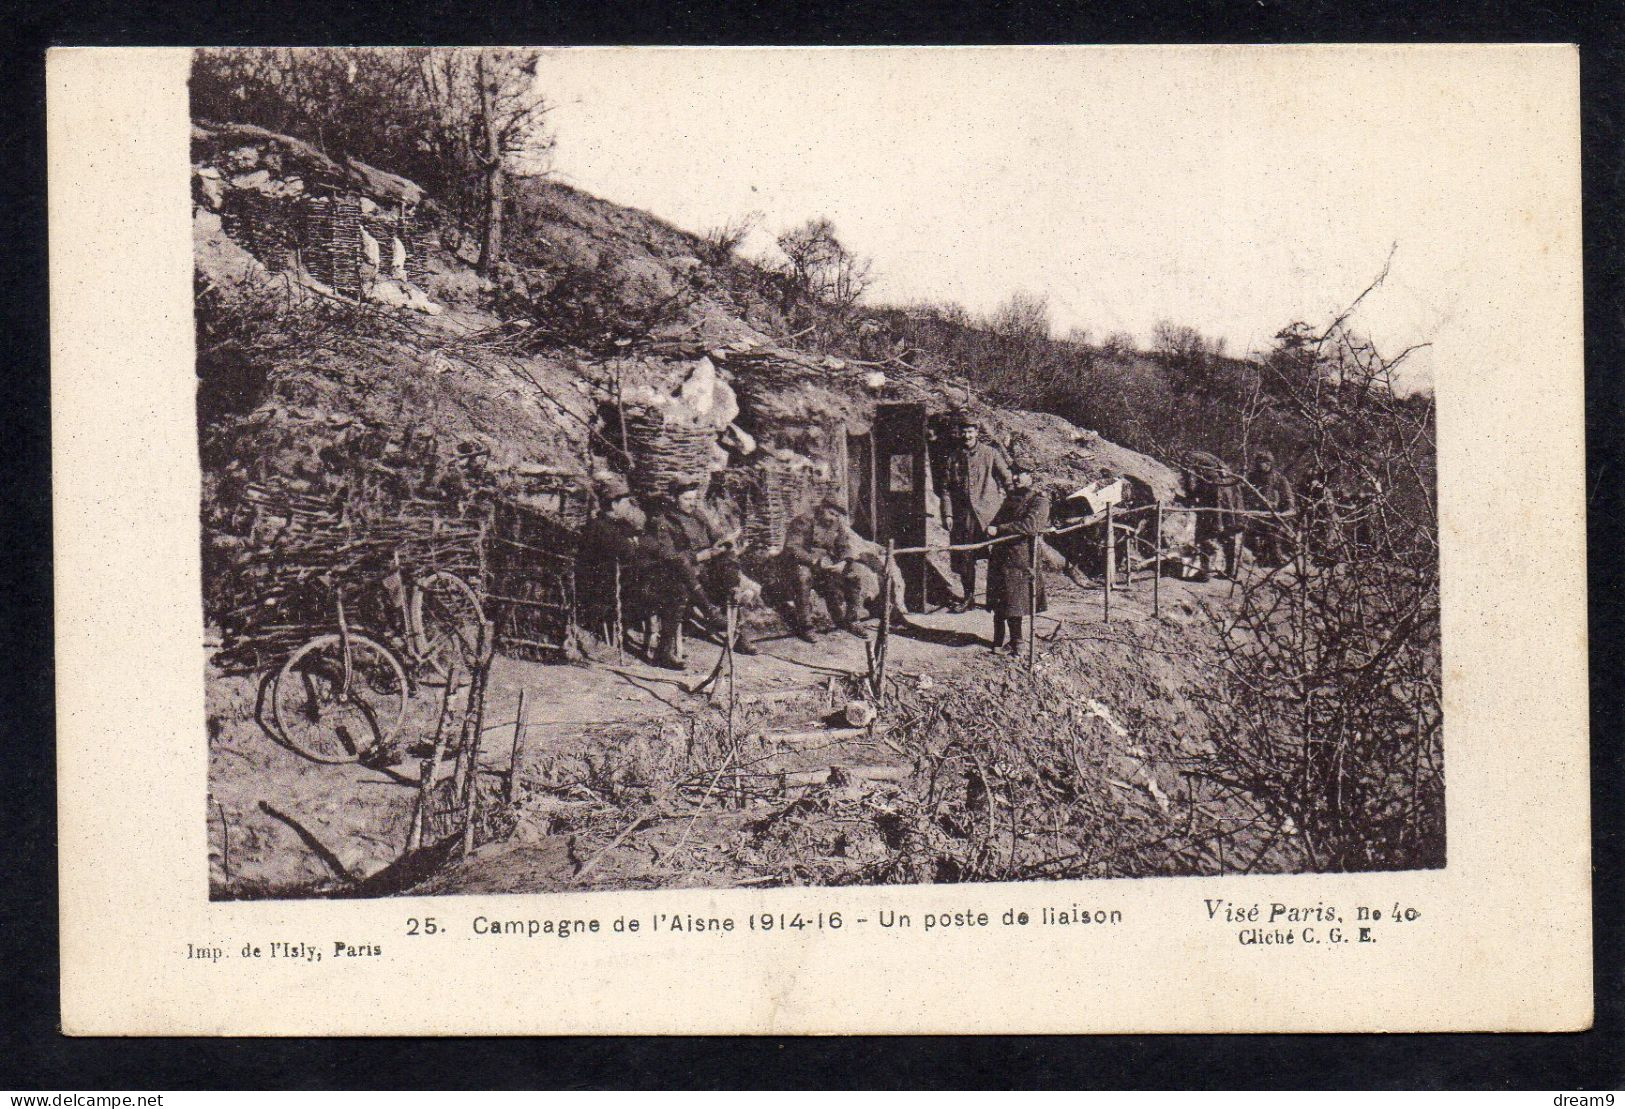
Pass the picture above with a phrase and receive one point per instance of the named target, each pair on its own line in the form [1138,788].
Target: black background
[37,1057]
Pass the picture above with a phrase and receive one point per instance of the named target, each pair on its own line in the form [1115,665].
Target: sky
[1233,190]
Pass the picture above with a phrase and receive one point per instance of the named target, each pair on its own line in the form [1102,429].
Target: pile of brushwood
[988,775]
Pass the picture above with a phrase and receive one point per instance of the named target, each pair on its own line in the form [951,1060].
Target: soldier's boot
[851,598]
[800,626]
[1015,636]
[967,582]
[800,613]
[839,614]
[666,652]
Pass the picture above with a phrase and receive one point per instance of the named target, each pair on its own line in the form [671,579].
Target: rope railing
[1110,516]
[1090,521]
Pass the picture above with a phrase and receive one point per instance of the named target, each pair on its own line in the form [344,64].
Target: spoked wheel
[330,719]
[446,622]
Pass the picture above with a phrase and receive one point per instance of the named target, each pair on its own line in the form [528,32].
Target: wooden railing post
[429,768]
[620,625]
[728,656]
[1111,564]
[471,783]
[517,757]
[1156,565]
[883,633]
[1032,601]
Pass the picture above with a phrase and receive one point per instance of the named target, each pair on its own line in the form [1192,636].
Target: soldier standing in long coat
[970,491]
[1011,586]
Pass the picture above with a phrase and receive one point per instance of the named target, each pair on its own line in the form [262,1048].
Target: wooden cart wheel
[446,622]
[320,717]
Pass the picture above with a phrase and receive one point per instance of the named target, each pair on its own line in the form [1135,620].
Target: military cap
[610,486]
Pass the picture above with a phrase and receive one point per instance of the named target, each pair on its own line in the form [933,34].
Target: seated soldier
[819,554]
[870,562]
[690,567]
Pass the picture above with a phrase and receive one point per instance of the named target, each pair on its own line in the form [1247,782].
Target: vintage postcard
[841,540]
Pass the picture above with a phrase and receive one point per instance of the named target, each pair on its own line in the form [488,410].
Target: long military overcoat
[1025,512]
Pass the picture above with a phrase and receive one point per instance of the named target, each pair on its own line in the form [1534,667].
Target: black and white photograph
[637,470]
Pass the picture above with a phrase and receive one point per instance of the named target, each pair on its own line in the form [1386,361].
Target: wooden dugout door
[899,475]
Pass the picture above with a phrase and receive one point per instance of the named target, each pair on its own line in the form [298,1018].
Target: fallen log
[791,779]
[816,735]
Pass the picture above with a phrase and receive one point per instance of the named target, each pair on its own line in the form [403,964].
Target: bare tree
[1190,357]
[492,118]
[820,269]
[725,239]
[1118,345]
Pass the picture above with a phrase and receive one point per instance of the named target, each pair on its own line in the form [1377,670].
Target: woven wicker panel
[531,600]
[330,240]
[664,454]
[417,251]
[302,553]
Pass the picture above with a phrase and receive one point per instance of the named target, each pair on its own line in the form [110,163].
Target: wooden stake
[1131,550]
[1156,566]
[883,634]
[728,660]
[620,410]
[1111,565]
[429,768]
[225,840]
[517,757]
[471,783]
[733,626]
[620,628]
[1032,602]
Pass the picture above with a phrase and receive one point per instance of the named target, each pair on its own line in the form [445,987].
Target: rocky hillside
[338,302]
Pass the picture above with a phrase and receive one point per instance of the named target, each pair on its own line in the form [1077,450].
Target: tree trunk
[491,239]
[495,174]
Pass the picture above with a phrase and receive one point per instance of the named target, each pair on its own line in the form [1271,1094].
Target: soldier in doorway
[1215,492]
[970,490]
[610,555]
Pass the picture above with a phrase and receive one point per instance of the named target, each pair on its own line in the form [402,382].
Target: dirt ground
[282,826]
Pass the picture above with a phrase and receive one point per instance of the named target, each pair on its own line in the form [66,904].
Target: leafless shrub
[1333,657]
[722,242]
[821,278]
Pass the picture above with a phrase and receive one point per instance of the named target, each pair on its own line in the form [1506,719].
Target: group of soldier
[677,558]
[993,512]
[1256,511]
[680,559]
